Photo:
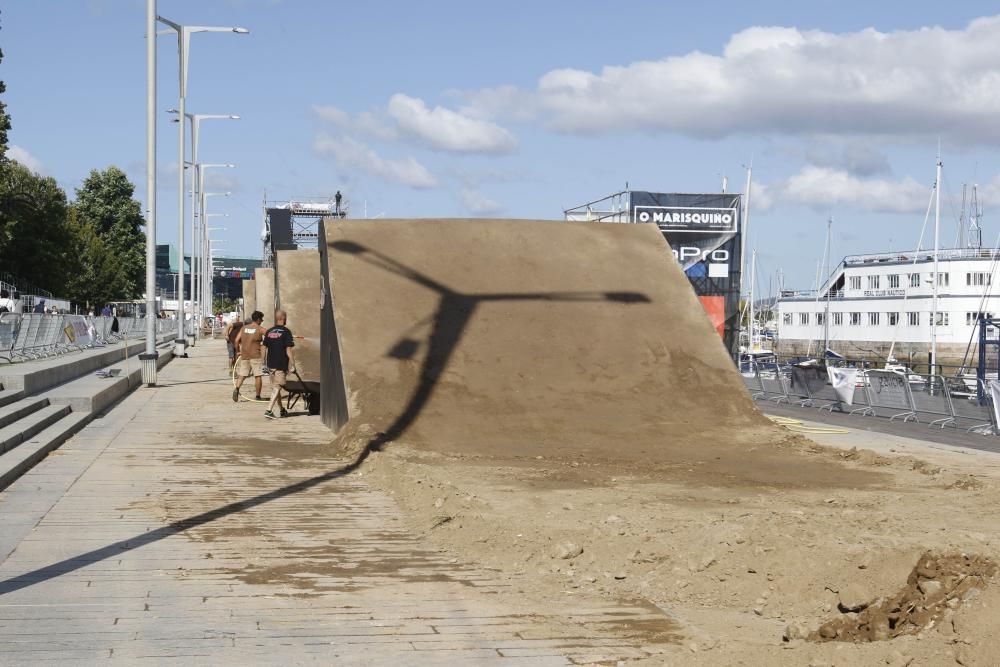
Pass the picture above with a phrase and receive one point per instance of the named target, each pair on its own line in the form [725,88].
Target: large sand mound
[513,338]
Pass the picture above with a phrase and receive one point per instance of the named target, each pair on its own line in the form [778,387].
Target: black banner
[705,233]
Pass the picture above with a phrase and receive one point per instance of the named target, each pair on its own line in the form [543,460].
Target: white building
[875,300]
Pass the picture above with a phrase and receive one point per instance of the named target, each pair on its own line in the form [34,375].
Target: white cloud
[446,130]
[855,157]
[826,188]
[352,154]
[19,154]
[478,204]
[927,83]
[409,118]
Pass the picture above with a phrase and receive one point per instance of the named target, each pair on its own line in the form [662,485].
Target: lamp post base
[148,363]
[180,347]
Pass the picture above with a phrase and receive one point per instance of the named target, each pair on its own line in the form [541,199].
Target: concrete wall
[298,282]
[911,354]
[249,298]
[265,295]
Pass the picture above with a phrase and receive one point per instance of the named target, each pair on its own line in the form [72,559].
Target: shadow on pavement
[453,313]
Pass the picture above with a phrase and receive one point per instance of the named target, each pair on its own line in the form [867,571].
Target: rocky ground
[893,565]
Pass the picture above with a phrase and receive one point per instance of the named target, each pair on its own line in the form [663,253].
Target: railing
[28,336]
[963,402]
[910,255]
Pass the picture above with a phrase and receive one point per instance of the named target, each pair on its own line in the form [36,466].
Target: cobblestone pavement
[183,528]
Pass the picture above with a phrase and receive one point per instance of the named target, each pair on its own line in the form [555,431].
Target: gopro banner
[704,233]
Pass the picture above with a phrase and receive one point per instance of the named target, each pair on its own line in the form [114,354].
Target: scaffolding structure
[293,224]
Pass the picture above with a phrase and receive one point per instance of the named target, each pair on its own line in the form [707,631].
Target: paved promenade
[182,528]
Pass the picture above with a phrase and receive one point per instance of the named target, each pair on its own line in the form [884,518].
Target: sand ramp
[527,338]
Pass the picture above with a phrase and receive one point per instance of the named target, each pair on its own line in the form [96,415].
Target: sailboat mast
[746,227]
[829,286]
[937,279]
[753,279]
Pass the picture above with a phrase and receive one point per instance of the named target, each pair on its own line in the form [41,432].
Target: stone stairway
[30,428]
[43,403]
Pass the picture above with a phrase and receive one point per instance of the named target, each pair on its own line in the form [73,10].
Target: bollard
[180,347]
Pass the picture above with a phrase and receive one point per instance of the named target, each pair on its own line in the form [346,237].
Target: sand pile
[297,292]
[513,338]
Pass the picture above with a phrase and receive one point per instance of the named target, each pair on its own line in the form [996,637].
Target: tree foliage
[33,236]
[105,202]
[95,277]
[4,121]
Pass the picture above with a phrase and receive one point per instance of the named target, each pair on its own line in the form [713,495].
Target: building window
[786,319]
[804,319]
[873,319]
[855,319]
[972,319]
[913,319]
[893,319]
[820,319]
[873,282]
[914,280]
[942,319]
[942,279]
[978,279]
[855,282]
[893,281]
[838,319]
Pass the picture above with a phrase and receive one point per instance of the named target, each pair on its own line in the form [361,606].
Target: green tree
[33,235]
[4,121]
[105,202]
[95,275]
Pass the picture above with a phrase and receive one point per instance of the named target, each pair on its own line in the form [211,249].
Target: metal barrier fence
[27,336]
[934,400]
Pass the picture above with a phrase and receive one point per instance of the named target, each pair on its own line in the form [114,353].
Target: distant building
[227,277]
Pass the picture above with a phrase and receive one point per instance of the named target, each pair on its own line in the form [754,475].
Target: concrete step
[27,427]
[14,411]
[8,396]
[21,459]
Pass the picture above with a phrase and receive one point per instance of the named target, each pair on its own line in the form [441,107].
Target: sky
[522,109]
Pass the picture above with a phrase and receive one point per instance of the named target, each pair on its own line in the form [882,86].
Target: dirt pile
[297,292]
[525,339]
[937,586]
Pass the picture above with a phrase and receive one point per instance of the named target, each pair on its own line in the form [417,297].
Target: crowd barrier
[28,336]
[934,400]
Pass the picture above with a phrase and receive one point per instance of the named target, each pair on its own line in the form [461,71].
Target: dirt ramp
[533,338]
[249,299]
[297,282]
[264,294]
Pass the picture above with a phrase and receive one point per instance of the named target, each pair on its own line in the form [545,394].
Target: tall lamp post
[183,48]
[197,250]
[207,274]
[195,120]
[147,360]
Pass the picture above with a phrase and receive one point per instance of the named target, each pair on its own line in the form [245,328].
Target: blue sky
[520,109]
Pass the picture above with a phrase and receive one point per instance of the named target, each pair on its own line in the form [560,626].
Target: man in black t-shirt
[279,357]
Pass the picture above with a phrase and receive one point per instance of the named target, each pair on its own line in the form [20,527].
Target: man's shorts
[232,349]
[278,378]
[248,367]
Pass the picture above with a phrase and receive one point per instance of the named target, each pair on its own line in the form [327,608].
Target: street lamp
[207,276]
[183,48]
[148,359]
[195,120]
[210,265]
[196,250]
